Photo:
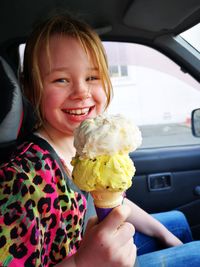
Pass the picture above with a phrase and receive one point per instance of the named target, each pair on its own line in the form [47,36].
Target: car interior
[166,177]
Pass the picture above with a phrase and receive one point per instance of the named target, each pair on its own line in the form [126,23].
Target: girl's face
[73,90]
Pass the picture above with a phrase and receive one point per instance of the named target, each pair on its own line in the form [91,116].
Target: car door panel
[167,179]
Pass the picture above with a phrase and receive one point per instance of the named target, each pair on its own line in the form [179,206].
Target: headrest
[11,104]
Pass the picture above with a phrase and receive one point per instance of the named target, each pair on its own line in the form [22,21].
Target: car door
[166,179]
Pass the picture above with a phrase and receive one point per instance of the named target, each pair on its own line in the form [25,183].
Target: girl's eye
[92,78]
[61,80]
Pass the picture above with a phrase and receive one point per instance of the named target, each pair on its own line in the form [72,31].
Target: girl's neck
[62,144]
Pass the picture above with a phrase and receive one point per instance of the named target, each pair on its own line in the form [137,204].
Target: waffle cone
[107,199]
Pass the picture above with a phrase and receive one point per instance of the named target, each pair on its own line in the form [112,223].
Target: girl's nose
[81,90]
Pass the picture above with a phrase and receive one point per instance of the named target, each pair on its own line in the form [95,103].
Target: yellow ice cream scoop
[110,173]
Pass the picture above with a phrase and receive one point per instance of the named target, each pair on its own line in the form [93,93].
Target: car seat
[15,112]
[11,109]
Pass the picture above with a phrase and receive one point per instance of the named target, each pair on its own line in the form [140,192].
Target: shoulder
[34,150]
[24,165]
[25,180]
[33,163]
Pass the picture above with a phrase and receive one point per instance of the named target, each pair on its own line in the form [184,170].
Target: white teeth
[78,111]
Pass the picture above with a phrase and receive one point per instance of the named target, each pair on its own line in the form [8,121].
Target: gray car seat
[11,109]
[16,116]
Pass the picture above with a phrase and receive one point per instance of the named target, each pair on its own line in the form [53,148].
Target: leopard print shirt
[41,216]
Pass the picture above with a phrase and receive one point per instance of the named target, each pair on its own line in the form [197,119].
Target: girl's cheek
[52,99]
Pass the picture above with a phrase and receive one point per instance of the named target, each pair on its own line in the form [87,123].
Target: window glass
[124,70]
[154,93]
[192,36]
[21,54]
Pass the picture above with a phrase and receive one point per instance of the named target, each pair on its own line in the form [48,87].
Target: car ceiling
[113,19]
[149,22]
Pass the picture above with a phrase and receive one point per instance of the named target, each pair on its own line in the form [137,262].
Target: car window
[154,93]
[192,36]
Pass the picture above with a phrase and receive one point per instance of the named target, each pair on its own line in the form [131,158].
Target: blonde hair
[67,26]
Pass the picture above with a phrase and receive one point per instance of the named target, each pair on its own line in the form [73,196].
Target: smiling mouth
[78,112]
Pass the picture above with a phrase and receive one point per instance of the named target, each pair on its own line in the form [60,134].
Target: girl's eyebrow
[66,69]
[58,69]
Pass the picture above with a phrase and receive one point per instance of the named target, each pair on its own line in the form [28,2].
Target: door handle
[159,181]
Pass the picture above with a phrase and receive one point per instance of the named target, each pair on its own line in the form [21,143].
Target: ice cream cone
[105,201]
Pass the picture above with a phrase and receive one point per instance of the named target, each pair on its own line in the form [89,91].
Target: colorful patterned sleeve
[18,221]
[40,216]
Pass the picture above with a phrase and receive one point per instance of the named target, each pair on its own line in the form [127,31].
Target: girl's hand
[109,243]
